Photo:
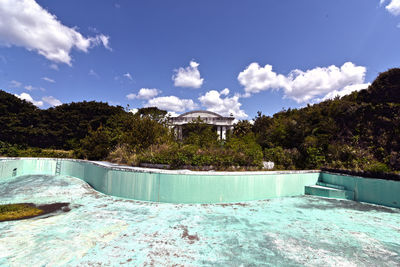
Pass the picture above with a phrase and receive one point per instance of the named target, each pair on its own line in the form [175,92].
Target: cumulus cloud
[345,91]
[47,79]
[188,77]
[301,86]
[225,106]
[393,7]
[28,97]
[52,101]
[144,93]
[172,103]
[26,24]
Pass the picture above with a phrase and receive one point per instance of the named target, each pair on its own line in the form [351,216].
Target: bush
[96,145]
[235,153]
[377,167]
[122,155]
[283,158]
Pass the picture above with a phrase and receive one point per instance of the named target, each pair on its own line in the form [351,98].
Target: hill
[60,127]
[358,131]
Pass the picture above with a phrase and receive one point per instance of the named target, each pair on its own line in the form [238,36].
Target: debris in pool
[20,211]
[185,234]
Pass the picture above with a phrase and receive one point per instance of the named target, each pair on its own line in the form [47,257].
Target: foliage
[242,128]
[8,150]
[153,113]
[349,132]
[18,211]
[96,145]
[139,133]
[200,134]
[220,158]
[121,154]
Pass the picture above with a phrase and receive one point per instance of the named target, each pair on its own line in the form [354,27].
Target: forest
[359,132]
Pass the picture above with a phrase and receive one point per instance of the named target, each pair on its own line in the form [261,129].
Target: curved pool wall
[168,186]
[199,187]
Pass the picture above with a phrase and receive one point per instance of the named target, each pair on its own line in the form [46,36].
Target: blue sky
[231,57]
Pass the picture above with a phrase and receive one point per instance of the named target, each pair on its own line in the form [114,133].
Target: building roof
[213,114]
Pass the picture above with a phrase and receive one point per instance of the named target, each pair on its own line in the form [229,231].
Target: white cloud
[134,110]
[128,76]
[52,101]
[345,91]
[393,7]
[213,101]
[27,97]
[256,78]
[25,23]
[47,79]
[172,103]
[301,86]
[15,83]
[100,39]
[224,92]
[188,77]
[144,93]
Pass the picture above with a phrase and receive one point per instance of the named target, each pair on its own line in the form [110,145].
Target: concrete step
[341,187]
[323,191]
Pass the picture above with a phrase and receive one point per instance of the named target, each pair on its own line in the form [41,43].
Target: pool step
[324,191]
[340,187]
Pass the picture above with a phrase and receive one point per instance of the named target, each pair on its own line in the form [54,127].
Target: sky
[226,56]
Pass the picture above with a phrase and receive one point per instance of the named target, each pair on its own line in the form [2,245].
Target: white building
[222,124]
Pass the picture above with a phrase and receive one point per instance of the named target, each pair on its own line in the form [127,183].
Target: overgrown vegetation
[18,211]
[356,132]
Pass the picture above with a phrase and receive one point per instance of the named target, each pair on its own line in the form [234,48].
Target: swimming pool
[102,230]
[183,186]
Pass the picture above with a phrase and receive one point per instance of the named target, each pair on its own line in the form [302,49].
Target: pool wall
[169,186]
[199,187]
[376,191]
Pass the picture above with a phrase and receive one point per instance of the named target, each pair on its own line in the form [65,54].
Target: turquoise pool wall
[170,186]
[376,191]
[202,187]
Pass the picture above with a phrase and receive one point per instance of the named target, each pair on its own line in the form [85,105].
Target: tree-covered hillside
[360,131]
[60,127]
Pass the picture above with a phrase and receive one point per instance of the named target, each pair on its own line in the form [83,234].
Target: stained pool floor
[101,230]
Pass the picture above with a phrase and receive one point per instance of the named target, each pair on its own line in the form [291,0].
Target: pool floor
[101,230]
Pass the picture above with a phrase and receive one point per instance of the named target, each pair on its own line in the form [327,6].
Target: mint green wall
[376,191]
[171,187]
[202,187]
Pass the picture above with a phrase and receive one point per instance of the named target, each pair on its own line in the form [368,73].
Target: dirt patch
[186,235]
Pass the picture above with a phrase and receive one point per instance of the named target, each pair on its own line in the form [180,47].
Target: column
[219,132]
[176,132]
[180,132]
[223,133]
